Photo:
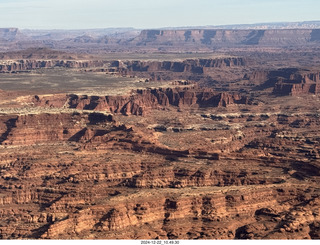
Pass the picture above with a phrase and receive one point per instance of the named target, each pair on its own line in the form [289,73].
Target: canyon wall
[190,66]
[85,176]
[141,102]
[287,81]
[25,65]
[298,83]
[198,66]
[212,37]
[188,40]
[188,69]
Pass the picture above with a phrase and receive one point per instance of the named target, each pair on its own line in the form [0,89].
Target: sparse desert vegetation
[186,134]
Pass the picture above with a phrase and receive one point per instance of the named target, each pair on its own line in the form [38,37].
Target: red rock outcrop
[188,69]
[86,176]
[287,81]
[198,66]
[298,83]
[39,128]
[199,164]
[142,101]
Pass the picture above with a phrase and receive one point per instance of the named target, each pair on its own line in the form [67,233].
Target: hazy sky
[79,14]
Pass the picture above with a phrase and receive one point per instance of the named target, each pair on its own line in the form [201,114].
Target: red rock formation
[298,83]
[40,128]
[257,76]
[287,81]
[55,101]
[197,66]
[142,101]
[85,176]
[296,89]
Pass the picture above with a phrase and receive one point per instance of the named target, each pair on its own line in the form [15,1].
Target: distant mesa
[223,38]
[9,34]
[191,39]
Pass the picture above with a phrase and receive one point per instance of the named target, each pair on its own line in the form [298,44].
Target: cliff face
[287,81]
[167,209]
[198,66]
[142,101]
[189,69]
[35,129]
[176,213]
[95,41]
[217,37]
[24,65]
[191,66]
[86,176]
[296,89]
[297,83]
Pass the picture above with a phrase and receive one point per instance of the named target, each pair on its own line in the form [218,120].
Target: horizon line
[165,27]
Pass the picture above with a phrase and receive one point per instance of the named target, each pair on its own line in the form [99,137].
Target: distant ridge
[89,41]
[263,26]
[228,37]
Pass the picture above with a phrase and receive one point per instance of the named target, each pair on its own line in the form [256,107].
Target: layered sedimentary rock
[35,129]
[188,69]
[199,174]
[189,40]
[296,89]
[24,65]
[287,81]
[203,212]
[298,83]
[192,65]
[92,178]
[142,101]
[197,163]
[227,37]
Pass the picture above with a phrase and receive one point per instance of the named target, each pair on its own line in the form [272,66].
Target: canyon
[138,139]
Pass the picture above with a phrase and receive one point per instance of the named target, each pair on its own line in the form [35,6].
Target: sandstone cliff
[188,69]
[287,81]
[35,129]
[221,38]
[84,175]
[141,102]
[198,66]
[298,83]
